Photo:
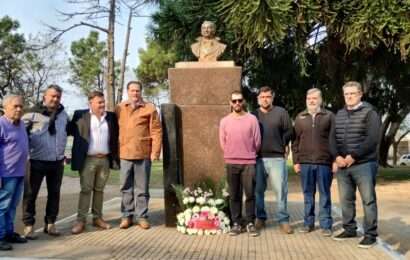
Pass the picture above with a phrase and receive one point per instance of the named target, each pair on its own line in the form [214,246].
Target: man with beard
[47,139]
[276,129]
[239,137]
[313,153]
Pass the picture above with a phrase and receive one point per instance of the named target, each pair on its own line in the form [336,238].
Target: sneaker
[344,235]
[326,232]
[15,238]
[367,242]
[286,228]
[252,231]
[306,229]
[28,233]
[235,230]
[4,246]
[259,223]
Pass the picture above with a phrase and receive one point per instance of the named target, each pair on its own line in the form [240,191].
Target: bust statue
[208,48]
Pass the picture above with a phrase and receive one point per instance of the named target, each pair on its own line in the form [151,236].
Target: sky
[33,14]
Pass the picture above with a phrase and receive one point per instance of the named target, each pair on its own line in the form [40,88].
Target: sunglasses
[237,100]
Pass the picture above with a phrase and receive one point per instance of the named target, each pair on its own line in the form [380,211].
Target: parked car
[405,160]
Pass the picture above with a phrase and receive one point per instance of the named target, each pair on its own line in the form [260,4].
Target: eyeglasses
[234,101]
[350,94]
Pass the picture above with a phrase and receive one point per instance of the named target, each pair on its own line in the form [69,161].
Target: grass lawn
[385,175]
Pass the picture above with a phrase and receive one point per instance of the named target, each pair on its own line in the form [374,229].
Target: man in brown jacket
[140,143]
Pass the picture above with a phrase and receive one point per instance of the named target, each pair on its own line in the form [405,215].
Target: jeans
[276,170]
[135,174]
[93,178]
[320,175]
[10,194]
[241,177]
[53,172]
[363,177]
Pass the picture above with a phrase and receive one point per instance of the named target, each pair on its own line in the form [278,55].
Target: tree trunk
[387,141]
[110,66]
[124,58]
[395,146]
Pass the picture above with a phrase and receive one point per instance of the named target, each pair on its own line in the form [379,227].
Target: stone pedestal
[201,96]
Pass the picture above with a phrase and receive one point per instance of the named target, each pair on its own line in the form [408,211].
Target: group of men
[256,147]
[32,147]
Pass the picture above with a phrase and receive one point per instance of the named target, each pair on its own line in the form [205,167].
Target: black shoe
[344,235]
[15,238]
[4,246]
[235,230]
[252,231]
[367,242]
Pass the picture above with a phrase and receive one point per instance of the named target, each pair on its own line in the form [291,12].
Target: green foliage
[87,63]
[154,64]
[12,45]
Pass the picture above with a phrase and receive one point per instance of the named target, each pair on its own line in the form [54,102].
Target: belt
[98,155]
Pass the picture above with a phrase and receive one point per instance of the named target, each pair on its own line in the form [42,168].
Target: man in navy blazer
[94,152]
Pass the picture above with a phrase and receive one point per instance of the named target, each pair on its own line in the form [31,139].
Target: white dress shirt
[99,135]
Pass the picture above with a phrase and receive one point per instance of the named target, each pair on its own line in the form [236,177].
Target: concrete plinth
[201,96]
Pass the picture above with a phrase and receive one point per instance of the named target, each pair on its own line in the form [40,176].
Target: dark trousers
[53,172]
[320,175]
[241,177]
[363,178]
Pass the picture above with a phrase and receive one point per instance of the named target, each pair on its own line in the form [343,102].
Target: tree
[295,45]
[154,63]
[87,63]
[12,45]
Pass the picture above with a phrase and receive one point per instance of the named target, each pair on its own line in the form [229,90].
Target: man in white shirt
[94,152]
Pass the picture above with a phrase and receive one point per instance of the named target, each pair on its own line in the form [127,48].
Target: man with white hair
[13,161]
[313,154]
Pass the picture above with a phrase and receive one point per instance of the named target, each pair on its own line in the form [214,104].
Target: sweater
[240,138]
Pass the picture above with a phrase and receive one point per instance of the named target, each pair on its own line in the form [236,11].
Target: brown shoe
[126,222]
[78,227]
[144,223]
[286,228]
[100,223]
[28,233]
[259,224]
[51,230]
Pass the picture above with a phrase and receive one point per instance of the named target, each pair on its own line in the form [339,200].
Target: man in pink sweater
[240,140]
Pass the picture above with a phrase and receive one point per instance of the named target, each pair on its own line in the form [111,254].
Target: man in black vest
[357,137]
[94,152]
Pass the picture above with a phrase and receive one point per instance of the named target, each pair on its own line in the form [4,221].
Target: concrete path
[166,243]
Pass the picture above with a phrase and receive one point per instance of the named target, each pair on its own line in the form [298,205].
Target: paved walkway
[166,243]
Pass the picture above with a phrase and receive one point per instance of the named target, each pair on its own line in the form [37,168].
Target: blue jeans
[135,176]
[11,189]
[275,169]
[363,177]
[320,175]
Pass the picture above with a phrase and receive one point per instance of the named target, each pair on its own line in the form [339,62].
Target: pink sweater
[240,138]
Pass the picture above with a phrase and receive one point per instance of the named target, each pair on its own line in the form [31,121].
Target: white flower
[182,230]
[221,214]
[185,201]
[200,232]
[211,202]
[207,232]
[191,199]
[188,211]
[225,193]
[196,209]
[205,208]
[219,201]
[214,210]
[226,221]
[187,190]
[200,200]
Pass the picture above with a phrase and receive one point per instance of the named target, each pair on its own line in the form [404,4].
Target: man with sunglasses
[276,129]
[240,140]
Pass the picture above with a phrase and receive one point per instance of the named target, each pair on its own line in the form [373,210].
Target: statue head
[208,29]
